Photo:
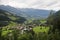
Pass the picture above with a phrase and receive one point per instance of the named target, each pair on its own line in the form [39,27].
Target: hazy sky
[37,4]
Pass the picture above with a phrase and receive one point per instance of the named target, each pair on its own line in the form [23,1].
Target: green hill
[7,17]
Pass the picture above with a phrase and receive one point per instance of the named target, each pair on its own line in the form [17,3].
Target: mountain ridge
[27,12]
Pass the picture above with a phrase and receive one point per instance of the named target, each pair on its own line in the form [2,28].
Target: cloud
[38,4]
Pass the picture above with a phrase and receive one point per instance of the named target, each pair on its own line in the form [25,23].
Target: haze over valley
[29,19]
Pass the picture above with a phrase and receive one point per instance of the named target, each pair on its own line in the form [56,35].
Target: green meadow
[41,29]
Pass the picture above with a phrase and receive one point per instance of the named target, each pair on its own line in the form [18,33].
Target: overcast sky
[37,4]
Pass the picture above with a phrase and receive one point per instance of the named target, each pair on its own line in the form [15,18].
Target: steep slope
[7,17]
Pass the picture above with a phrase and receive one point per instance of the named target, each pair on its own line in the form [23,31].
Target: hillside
[7,17]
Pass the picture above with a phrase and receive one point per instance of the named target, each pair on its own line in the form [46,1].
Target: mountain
[27,12]
[7,17]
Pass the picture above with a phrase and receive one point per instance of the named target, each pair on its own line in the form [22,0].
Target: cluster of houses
[26,28]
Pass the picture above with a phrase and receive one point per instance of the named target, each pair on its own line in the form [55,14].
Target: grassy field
[41,29]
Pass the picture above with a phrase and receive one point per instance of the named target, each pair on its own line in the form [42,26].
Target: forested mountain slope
[7,17]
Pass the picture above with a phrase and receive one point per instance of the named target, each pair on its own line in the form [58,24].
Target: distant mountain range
[27,12]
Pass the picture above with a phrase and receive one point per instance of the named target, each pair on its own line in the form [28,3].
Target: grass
[41,29]
[12,17]
[42,21]
[6,32]
[5,29]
